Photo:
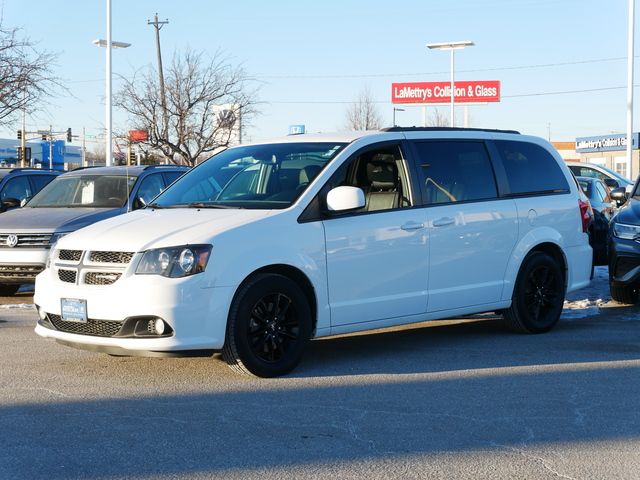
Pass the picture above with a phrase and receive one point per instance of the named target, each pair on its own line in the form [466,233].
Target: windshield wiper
[157,206]
[208,205]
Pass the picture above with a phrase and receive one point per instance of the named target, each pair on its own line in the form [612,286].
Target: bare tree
[363,114]
[208,103]
[26,79]
[437,119]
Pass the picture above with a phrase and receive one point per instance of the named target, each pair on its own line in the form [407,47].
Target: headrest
[382,175]
[308,173]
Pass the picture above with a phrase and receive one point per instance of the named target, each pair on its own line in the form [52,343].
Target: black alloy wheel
[538,296]
[273,326]
[268,327]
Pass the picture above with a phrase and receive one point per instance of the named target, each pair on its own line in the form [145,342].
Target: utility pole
[163,101]
[50,147]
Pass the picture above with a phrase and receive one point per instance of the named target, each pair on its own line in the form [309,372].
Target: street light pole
[630,36]
[451,46]
[108,120]
[109,44]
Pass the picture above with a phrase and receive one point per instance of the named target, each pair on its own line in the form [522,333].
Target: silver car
[72,201]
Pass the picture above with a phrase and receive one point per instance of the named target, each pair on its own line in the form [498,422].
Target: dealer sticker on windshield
[74,310]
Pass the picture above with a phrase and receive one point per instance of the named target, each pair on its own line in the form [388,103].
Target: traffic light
[27,154]
[69,136]
[19,153]
[19,134]
[44,137]
[132,158]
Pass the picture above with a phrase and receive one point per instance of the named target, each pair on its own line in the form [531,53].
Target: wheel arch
[551,244]
[298,276]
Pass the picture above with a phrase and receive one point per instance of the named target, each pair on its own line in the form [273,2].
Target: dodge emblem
[12,240]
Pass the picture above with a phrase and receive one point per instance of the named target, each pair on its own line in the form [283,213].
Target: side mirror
[24,201]
[138,203]
[611,183]
[343,199]
[619,195]
[9,203]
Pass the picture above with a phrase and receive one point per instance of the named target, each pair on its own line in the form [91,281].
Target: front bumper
[624,261]
[21,265]
[195,314]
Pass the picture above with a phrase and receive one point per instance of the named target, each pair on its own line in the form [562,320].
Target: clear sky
[561,63]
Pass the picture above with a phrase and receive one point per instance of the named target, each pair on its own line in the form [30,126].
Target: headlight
[175,262]
[630,232]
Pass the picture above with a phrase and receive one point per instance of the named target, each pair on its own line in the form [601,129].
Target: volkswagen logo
[12,240]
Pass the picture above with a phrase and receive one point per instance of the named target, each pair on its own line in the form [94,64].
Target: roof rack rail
[165,165]
[445,129]
[32,169]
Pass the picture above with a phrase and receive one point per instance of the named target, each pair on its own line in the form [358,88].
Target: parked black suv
[18,184]
[624,251]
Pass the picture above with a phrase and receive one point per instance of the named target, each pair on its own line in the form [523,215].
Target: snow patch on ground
[18,306]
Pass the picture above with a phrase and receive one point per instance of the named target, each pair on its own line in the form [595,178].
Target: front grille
[70,255]
[28,272]
[98,328]
[68,276]
[111,257]
[27,240]
[101,278]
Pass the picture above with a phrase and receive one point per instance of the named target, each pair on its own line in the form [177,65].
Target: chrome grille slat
[20,271]
[26,239]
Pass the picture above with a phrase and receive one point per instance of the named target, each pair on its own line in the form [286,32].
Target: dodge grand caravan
[263,247]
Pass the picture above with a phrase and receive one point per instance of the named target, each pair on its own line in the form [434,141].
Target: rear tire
[538,295]
[626,294]
[268,328]
[8,290]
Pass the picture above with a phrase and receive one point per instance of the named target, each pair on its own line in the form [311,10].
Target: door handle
[444,221]
[412,226]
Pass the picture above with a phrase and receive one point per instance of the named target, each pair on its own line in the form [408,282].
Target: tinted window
[39,181]
[171,177]
[530,168]
[601,192]
[17,188]
[151,186]
[454,171]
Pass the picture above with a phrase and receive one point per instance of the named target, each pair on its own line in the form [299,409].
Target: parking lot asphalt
[460,398]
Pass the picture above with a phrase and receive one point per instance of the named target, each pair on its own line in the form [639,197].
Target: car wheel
[8,290]
[268,328]
[627,294]
[538,295]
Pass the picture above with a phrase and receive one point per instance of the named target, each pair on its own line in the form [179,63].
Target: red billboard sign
[475,91]
[138,136]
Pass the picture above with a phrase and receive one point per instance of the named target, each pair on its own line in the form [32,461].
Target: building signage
[296,129]
[476,91]
[606,143]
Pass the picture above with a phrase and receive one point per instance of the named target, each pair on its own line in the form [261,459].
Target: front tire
[538,295]
[268,328]
[626,294]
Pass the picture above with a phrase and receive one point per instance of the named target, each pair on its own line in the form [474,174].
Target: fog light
[159,326]
[41,313]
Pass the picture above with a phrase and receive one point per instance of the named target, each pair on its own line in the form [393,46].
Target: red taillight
[586,214]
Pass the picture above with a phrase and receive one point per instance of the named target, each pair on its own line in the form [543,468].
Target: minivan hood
[151,228]
[629,213]
[58,219]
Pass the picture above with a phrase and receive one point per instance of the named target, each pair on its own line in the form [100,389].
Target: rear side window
[454,171]
[531,168]
[39,181]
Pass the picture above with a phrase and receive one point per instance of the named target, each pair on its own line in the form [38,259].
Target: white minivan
[263,247]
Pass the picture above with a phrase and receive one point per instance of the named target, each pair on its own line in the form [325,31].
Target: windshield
[257,176]
[95,191]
